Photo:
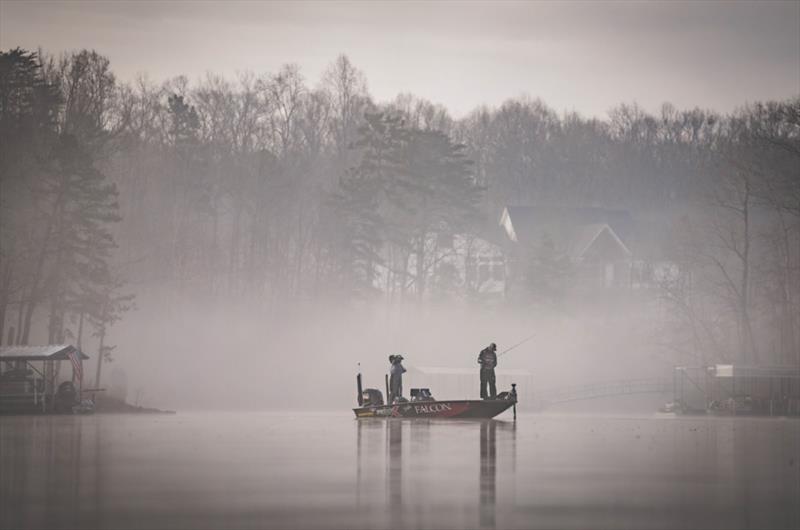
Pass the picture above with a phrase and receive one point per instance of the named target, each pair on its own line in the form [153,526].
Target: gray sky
[575,56]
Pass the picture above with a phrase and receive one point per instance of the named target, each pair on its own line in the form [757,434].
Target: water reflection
[320,471]
[394,469]
[49,475]
[409,459]
[488,474]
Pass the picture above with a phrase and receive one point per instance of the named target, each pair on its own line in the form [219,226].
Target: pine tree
[29,108]
[56,239]
[411,189]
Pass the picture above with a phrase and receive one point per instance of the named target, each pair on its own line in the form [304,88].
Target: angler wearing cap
[396,377]
[487,358]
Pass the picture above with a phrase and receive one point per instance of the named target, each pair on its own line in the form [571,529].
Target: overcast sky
[575,56]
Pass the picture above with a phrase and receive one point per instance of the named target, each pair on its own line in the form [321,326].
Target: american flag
[77,365]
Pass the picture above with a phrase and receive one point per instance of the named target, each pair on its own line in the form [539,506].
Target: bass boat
[423,405]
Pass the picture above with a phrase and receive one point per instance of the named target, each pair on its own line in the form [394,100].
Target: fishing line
[520,343]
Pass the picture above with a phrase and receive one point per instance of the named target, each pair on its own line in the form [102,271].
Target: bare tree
[346,87]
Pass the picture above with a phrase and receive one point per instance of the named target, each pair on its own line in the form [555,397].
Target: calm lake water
[268,470]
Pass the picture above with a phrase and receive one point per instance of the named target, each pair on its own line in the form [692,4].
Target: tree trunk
[100,352]
[5,298]
[36,279]
[26,329]
[420,268]
[233,258]
[748,346]
[20,319]
[80,331]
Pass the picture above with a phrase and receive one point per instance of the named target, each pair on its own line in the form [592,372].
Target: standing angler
[487,358]
[396,377]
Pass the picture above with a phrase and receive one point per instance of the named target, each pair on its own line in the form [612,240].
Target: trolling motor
[66,396]
[510,396]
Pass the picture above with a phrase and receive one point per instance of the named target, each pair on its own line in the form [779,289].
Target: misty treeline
[273,192]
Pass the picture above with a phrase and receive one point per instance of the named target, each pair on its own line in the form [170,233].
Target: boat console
[421,394]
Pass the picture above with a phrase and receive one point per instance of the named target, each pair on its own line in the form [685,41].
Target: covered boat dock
[31,378]
[738,389]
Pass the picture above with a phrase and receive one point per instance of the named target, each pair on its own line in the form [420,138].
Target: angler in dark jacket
[487,358]
[396,377]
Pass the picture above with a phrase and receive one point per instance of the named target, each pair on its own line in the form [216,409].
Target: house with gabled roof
[594,242]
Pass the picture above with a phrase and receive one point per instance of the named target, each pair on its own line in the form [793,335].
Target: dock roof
[52,352]
[738,370]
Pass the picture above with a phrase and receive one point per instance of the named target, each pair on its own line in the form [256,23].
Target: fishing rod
[520,343]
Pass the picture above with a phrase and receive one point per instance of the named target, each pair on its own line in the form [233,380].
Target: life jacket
[487,358]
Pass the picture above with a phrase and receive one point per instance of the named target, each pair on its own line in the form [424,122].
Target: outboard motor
[371,397]
[66,397]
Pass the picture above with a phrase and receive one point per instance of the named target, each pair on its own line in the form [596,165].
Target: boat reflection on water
[488,474]
[394,469]
[488,468]
[421,480]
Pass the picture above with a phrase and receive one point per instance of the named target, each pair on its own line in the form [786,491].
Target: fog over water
[220,360]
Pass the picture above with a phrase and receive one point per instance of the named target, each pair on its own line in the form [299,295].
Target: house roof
[53,352]
[737,370]
[584,236]
[572,229]
[529,219]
